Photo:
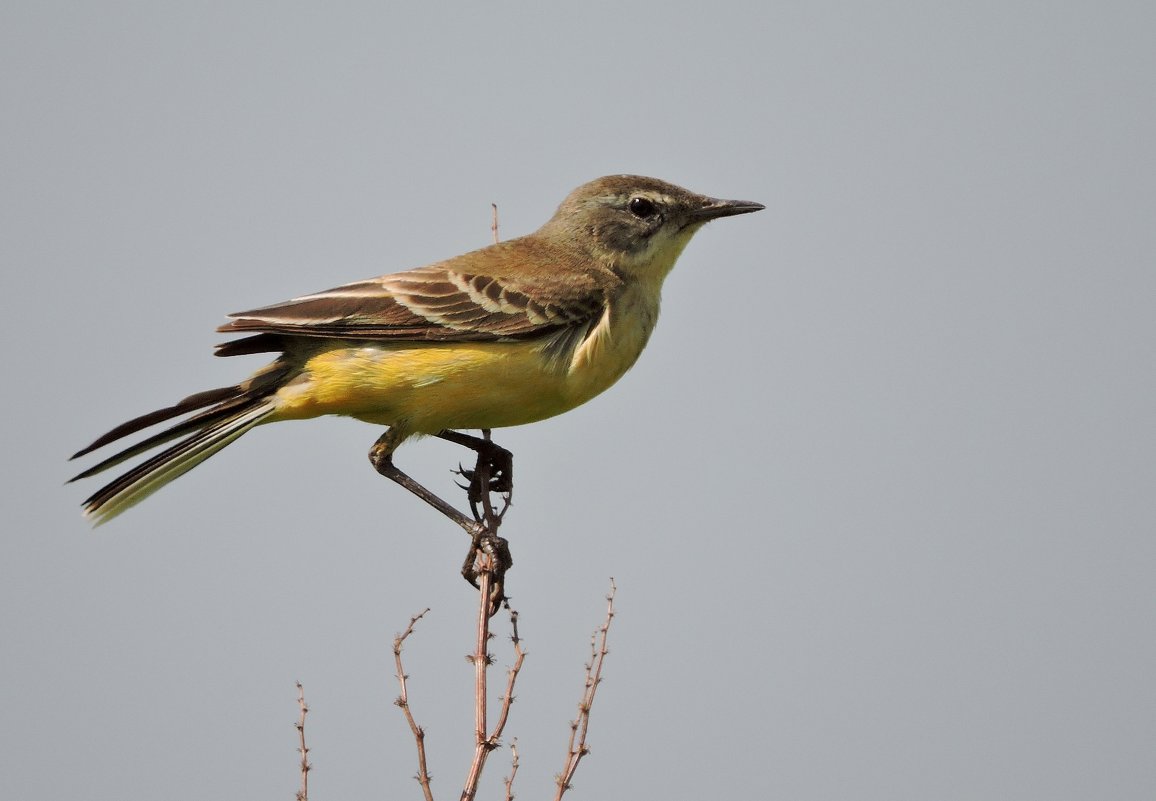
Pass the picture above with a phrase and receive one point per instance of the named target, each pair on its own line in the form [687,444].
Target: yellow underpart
[427,387]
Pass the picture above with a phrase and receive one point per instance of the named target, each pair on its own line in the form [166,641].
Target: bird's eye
[641,207]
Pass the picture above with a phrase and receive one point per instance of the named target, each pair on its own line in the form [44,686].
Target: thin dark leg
[493,472]
[381,457]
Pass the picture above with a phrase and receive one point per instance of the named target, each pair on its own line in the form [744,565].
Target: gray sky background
[879,497]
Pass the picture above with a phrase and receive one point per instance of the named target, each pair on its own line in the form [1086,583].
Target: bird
[510,334]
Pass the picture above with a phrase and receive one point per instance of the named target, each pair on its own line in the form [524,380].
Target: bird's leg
[381,457]
[492,473]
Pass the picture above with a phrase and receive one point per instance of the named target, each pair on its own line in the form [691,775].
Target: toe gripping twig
[493,472]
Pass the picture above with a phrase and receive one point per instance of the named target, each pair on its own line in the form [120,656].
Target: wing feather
[477,297]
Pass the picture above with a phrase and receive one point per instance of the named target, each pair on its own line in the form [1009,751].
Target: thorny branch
[303,793]
[578,727]
[485,740]
[509,780]
[423,776]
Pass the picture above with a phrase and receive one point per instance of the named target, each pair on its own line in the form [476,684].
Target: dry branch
[303,793]
[423,776]
[509,780]
[485,739]
[577,747]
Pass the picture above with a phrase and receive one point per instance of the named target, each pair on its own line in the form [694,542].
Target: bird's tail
[222,415]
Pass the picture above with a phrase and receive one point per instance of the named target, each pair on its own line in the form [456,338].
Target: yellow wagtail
[509,334]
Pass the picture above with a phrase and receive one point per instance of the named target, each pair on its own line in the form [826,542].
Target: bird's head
[635,224]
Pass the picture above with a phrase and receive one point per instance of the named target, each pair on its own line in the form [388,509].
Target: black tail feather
[197,422]
[189,404]
[146,478]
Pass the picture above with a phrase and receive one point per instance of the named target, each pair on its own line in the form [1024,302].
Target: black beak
[714,208]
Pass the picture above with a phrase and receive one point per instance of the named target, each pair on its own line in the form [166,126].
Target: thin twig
[513,770]
[489,568]
[494,224]
[481,659]
[423,777]
[578,727]
[303,793]
[511,679]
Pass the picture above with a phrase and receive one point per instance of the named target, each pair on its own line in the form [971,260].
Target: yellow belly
[425,388]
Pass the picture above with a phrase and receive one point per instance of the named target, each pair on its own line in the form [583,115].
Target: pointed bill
[713,208]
